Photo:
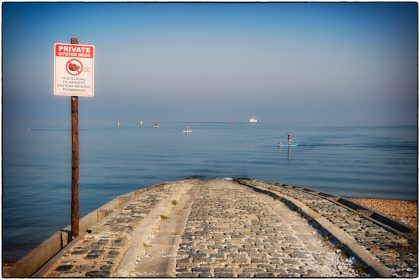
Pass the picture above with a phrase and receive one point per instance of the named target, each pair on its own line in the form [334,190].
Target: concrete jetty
[240,228]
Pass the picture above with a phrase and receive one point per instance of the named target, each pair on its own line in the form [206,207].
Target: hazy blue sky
[341,63]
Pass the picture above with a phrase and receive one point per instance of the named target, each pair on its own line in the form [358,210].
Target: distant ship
[118,124]
[155,125]
[141,123]
[253,120]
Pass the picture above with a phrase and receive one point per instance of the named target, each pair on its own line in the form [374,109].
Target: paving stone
[92,256]
[201,269]
[253,270]
[264,274]
[64,267]
[197,255]
[245,275]
[224,275]
[79,252]
[217,255]
[97,273]
[105,267]
[186,275]
[183,269]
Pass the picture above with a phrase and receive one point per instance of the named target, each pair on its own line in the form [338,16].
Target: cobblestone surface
[234,232]
[219,228]
[98,253]
[393,250]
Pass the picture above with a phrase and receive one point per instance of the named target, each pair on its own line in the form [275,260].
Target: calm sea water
[376,162]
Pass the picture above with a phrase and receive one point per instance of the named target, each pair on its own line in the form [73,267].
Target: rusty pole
[74,161]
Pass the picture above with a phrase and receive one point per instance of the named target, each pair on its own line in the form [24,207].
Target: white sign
[74,70]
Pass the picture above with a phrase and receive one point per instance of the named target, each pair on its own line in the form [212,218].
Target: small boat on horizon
[155,125]
[253,120]
[118,124]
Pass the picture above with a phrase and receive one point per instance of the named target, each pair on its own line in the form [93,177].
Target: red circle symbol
[74,67]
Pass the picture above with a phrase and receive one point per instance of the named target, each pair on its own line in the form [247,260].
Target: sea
[350,161]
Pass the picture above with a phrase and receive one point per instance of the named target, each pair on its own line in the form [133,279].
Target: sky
[324,63]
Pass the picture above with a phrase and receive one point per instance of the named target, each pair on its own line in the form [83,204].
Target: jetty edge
[44,252]
[375,267]
[316,207]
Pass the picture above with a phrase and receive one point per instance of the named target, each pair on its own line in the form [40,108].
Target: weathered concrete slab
[218,228]
[156,257]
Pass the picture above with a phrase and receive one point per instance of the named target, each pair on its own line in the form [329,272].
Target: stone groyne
[224,228]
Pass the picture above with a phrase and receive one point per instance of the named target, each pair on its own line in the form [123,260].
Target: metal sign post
[74,161]
[74,76]
[74,166]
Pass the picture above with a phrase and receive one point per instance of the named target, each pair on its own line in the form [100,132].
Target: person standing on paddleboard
[289,138]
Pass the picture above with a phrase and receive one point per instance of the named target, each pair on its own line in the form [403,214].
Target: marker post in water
[74,76]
